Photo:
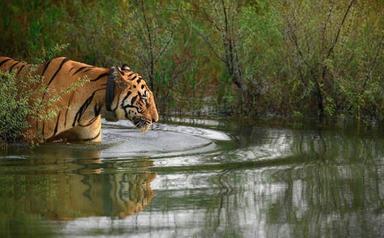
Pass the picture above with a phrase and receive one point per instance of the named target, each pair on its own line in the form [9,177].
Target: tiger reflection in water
[77,188]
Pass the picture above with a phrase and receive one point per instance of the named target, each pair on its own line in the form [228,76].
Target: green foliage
[13,109]
[313,58]
[21,101]
[51,52]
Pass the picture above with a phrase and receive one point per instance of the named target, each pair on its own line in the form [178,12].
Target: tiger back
[117,93]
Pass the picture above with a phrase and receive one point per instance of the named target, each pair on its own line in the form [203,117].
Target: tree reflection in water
[264,183]
[278,183]
[328,186]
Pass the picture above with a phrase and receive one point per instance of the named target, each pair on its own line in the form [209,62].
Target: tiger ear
[125,67]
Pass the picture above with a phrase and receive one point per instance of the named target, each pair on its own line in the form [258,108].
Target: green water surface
[197,179]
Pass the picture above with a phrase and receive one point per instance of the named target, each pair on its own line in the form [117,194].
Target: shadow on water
[217,179]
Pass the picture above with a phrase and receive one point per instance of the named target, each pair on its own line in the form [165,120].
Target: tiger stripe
[92,138]
[11,68]
[20,69]
[4,61]
[46,65]
[57,124]
[100,76]
[58,70]
[79,69]
[79,117]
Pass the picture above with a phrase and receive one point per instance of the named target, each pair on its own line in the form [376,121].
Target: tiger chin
[115,93]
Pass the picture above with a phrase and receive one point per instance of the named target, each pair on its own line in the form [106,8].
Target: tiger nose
[155,118]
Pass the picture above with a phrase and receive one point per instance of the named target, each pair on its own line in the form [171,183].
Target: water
[204,178]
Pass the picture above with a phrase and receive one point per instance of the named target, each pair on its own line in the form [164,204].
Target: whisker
[142,123]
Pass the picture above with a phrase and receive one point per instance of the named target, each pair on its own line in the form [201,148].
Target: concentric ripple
[122,142]
[162,141]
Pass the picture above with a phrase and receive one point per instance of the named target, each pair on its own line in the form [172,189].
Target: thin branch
[227,39]
[293,37]
[150,41]
[210,46]
[324,30]
[164,48]
[373,63]
[208,18]
[330,51]
[146,24]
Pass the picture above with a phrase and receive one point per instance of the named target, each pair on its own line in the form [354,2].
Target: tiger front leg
[82,133]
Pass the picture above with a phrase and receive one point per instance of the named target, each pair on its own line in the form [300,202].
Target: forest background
[259,58]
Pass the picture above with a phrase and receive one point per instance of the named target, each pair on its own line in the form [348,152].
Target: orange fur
[79,115]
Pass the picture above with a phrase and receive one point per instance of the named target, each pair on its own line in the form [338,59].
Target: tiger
[116,93]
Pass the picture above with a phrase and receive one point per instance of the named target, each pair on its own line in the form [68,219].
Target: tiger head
[133,100]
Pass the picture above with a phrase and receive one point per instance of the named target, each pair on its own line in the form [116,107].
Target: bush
[13,109]
[22,104]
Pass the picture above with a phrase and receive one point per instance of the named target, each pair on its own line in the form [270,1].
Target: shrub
[13,109]
[22,102]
